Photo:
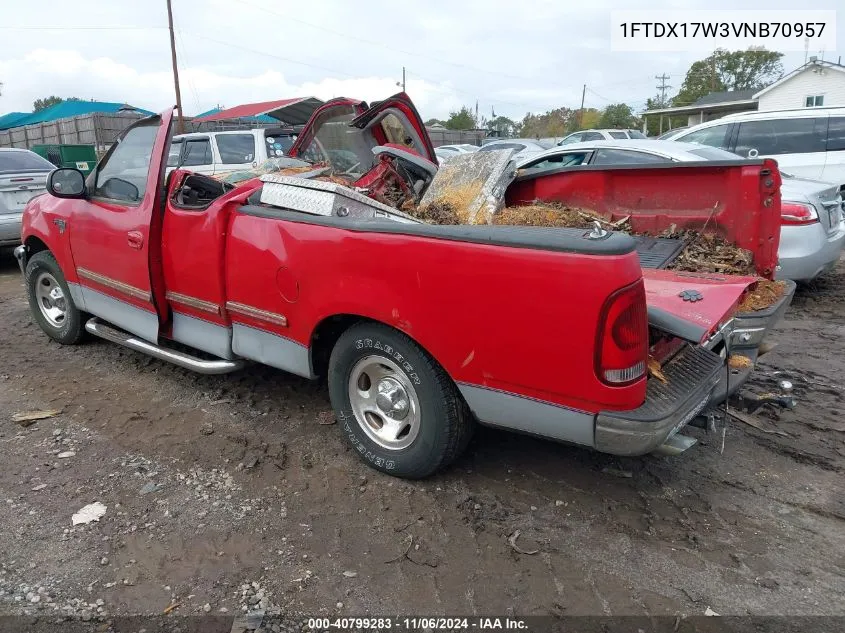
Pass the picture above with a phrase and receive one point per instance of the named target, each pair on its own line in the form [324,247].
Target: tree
[552,123]
[585,119]
[724,70]
[434,122]
[669,122]
[618,115]
[463,119]
[504,126]
[46,102]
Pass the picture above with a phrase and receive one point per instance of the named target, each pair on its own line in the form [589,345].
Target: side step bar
[98,328]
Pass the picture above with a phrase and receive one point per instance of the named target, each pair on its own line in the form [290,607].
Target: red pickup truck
[421,330]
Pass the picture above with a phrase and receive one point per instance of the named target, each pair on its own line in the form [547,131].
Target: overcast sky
[514,56]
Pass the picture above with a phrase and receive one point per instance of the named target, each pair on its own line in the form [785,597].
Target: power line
[80,28]
[273,55]
[290,18]
[663,87]
[181,41]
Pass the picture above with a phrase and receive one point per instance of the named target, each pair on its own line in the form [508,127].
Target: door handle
[135,239]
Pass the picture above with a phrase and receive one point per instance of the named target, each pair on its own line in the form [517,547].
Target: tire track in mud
[676,536]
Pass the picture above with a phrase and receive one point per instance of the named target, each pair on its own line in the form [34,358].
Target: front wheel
[396,406]
[50,300]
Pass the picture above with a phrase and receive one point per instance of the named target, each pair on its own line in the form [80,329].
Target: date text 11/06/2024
[416,624]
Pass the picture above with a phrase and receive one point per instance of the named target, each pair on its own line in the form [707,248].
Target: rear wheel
[396,406]
[50,300]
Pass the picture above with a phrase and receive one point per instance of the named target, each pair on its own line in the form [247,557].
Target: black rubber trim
[673,324]
[530,174]
[537,238]
[657,252]
[689,376]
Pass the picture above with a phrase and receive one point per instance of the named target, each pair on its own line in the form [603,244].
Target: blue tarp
[11,119]
[64,110]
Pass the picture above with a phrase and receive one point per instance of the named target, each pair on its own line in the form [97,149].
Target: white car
[600,135]
[460,148]
[522,148]
[812,231]
[809,142]
[444,152]
[219,152]
[23,175]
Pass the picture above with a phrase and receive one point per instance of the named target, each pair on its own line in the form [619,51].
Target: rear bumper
[691,377]
[10,229]
[805,252]
[696,380]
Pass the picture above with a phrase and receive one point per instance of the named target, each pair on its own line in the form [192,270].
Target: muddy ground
[255,487]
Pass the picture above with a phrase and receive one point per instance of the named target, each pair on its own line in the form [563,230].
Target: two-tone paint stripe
[114,284]
[193,302]
[256,313]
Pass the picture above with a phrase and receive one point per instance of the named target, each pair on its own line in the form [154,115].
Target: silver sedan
[812,231]
[23,175]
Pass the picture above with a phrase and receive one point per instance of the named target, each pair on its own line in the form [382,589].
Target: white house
[816,83]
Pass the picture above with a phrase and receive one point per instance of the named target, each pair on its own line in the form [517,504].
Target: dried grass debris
[765,294]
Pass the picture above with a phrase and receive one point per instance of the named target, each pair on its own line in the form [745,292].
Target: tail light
[622,345]
[796,213]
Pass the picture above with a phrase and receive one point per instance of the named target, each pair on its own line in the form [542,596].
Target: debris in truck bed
[435,213]
[738,361]
[765,294]
[472,184]
[459,203]
[655,370]
[709,253]
[541,214]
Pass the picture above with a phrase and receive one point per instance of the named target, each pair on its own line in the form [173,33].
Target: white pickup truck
[217,152]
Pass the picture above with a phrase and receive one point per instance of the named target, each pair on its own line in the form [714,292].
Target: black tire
[44,269]
[444,423]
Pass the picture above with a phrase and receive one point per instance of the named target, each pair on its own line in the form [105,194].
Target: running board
[98,328]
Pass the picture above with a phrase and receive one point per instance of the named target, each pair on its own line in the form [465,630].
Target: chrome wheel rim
[384,402]
[51,300]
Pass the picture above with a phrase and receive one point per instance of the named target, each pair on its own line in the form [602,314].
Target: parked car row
[809,145]
[23,175]
[809,142]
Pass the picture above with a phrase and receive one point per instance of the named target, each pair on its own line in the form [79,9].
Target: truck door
[115,231]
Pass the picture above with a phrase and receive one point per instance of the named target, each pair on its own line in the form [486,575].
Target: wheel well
[35,245]
[324,337]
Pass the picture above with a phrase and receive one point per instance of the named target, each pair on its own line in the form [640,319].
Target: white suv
[809,143]
[600,135]
[219,152]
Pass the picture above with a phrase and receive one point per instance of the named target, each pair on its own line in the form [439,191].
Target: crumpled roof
[291,111]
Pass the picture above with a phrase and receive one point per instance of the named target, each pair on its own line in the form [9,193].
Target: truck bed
[657,252]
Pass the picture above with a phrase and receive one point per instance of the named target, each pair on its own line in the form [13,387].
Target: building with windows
[817,83]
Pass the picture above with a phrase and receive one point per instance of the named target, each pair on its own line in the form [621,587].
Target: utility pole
[180,121]
[713,75]
[403,80]
[581,110]
[663,87]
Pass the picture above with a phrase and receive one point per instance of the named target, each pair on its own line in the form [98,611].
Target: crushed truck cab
[422,330]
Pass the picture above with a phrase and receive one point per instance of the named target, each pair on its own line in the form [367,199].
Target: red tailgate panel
[739,201]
